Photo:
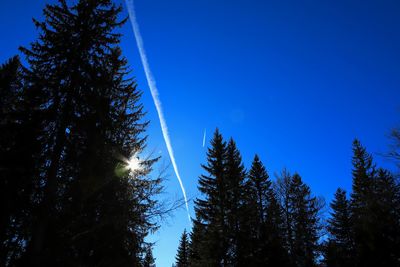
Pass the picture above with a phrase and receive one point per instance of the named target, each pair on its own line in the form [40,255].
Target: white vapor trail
[154,93]
[204,137]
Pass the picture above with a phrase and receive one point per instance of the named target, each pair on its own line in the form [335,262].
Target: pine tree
[301,213]
[196,246]
[88,209]
[386,216]
[259,186]
[273,245]
[305,218]
[182,257]
[362,205]
[238,233]
[265,218]
[209,237]
[339,250]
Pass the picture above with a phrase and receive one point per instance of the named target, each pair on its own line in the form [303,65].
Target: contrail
[204,137]
[154,93]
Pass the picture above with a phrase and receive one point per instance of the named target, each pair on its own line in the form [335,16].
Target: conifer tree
[339,250]
[273,248]
[386,216]
[361,203]
[210,248]
[260,187]
[182,256]
[302,224]
[306,223]
[265,217]
[196,247]
[238,233]
[88,210]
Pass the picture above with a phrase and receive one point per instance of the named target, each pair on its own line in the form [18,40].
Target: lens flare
[133,164]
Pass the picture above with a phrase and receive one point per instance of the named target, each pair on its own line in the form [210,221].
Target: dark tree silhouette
[236,220]
[340,246]
[68,121]
[362,205]
[302,225]
[182,256]
[265,218]
[209,238]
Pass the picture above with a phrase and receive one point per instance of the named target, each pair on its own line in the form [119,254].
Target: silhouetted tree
[265,217]
[340,245]
[386,216]
[238,234]
[182,256]
[71,126]
[302,225]
[362,205]
[196,243]
[209,237]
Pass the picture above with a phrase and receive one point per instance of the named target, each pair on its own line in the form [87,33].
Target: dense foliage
[69,119]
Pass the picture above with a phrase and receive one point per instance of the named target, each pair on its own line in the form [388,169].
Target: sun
[134,163]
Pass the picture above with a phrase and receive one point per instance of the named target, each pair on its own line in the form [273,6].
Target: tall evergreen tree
[182,256]
[361,202]
[265,217]
[86,208]
[386,216]
[259,187]
[302,224]
[211,248]
[238,234]
[339,250]
[306,223]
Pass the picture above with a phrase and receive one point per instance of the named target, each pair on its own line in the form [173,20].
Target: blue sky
[294,81]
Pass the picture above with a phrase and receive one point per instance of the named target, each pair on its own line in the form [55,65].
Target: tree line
[244,218]
[69,118]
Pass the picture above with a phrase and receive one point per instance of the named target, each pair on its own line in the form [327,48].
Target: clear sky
[294,81]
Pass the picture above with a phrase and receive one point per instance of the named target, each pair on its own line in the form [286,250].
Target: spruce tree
[211,246]
[361,203]
[386,214]
[260,187]
[88,209]
[238,234]
[302,222]
[339,249]
[182,256]
[265,218]
[305,223]
[273,248]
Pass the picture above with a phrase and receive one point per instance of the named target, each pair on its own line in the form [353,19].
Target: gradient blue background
[294,81]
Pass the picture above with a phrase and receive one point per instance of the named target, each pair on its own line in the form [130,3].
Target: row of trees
[245,219]
[67,122]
